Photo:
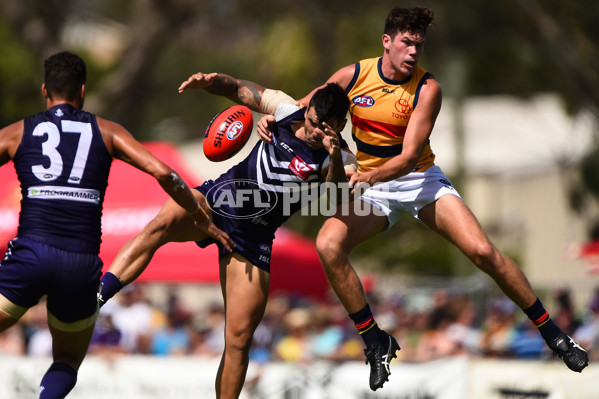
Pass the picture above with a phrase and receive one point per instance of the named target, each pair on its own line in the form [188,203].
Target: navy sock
[369,331]
[539,316]
[110,285]
[58,381]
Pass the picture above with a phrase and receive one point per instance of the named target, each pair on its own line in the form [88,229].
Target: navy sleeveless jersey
[63,166]
[257,190]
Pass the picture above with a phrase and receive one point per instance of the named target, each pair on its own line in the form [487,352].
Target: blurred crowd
[297,330]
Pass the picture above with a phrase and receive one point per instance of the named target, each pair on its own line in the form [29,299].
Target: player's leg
[68,351]
[16,267]
[72,311]
[335,240]
[245,293]
[171,224]
[9,313]
[452,218]
[6,321]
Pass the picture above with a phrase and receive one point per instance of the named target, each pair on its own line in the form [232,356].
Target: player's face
[404,51]
[314,129]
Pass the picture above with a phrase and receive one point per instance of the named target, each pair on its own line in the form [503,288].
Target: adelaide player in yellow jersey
[380,112]
[394,105]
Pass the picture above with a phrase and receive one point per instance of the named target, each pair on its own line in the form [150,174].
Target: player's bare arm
[330,142]
[253,95]
[342,77]
[417,134]
[10,138]
[335,171]
[240,91]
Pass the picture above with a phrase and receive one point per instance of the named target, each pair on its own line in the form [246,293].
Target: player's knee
[239,339]
[485,256]
[328,246]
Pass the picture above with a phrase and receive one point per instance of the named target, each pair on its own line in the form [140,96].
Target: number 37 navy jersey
[63,166]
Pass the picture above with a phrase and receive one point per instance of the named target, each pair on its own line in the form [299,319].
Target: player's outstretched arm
[342,77]
[10,138]
[240,91]
[253,95]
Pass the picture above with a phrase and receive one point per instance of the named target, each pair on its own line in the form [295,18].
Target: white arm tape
[272,98]
[350,163]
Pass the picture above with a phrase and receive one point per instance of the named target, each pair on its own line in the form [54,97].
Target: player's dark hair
[412,20]
[330,102]
[64,74]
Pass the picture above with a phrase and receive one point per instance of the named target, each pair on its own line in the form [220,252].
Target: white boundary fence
[139,377]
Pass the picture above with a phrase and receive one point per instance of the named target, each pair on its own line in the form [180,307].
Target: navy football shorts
[70,280]
[252,241]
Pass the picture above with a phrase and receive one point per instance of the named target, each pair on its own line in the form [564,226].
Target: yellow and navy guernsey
[380,110]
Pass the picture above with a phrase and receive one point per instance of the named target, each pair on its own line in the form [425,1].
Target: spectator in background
[498,329]
[39,338]
[463,329]
[588,333]
[295,347]
[134,317]
[12,342]
[526,342]
[326,336]
[212,327]
[565,315]
[436,342]
[107,338]
[175,338]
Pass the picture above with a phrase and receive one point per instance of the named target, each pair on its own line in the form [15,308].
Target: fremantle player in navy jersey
[62,157]
[250,202]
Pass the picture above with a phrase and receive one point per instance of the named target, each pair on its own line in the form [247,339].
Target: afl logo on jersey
[363,101]
[446,182]
[300,168]
[403,106]
[264,248]
[234,130]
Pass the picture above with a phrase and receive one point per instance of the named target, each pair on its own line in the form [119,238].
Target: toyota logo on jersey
[300,168]
[403,106]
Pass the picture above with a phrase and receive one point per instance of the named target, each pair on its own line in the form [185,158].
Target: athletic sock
[539,316]
[369,331]
[58,381]
[110,285]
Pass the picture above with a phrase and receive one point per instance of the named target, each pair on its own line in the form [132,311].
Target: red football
[228,132]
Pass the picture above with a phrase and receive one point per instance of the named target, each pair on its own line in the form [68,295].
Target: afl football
[227,133]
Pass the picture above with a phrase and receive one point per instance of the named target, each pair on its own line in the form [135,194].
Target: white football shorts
[409,193]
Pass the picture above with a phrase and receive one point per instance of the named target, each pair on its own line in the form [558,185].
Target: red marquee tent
[133,198]
[589,251]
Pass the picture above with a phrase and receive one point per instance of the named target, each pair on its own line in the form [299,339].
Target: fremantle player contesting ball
[227,133]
